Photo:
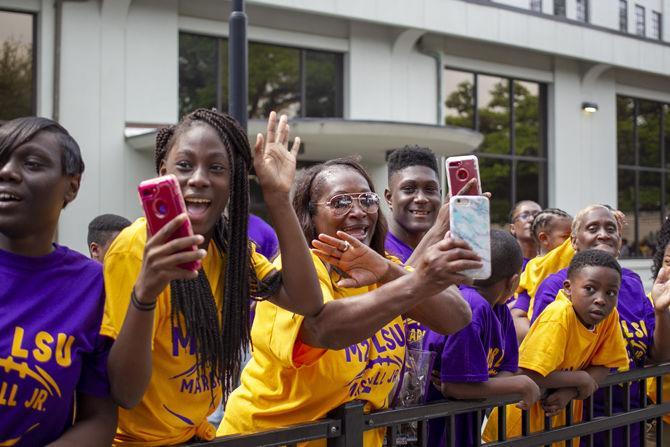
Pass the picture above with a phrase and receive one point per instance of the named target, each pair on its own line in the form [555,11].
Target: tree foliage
[16,80]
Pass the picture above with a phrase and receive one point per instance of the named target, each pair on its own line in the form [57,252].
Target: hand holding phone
[162,202]
[469,219]
[460,170]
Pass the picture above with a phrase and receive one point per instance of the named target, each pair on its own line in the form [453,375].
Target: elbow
[460,317]
[125,399]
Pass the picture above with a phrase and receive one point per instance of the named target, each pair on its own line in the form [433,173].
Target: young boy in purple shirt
[481,360]
[414,197]
[52,358]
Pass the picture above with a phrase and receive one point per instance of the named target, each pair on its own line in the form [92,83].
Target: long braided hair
[220,340]
[663,241]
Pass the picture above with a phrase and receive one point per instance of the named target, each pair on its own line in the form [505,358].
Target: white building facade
[508,79]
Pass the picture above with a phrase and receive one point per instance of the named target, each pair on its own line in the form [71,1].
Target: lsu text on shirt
[177,401]
[50,348]
[557,341]
[287,382]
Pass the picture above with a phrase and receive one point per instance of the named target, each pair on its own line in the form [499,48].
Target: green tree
[16,80]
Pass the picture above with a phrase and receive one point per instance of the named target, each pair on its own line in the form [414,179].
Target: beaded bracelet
[144,307]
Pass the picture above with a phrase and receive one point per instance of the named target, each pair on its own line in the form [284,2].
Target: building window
[623,16]
[582,10]
[639,21]
[559,8]
[511,114]
[295,81]
[17,65]
[643,140]
[656,27]
[536,5]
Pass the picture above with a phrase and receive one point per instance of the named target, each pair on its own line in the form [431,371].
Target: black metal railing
[345,426]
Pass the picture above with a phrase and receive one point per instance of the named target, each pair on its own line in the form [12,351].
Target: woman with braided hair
[180,334]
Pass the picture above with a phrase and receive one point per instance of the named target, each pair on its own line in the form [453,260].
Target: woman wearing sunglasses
[354,348]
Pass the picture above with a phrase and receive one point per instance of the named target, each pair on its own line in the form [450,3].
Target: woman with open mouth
[645,325]
[180,334]
[354,348]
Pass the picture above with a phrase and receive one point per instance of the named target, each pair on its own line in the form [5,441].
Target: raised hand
[363,265]
[660,292]
[162,259]
[273,162]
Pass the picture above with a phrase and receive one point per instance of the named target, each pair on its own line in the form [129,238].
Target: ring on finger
[346,247]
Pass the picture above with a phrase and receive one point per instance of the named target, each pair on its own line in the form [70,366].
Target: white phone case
[470,221]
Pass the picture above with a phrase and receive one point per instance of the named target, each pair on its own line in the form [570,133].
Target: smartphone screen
[470,221]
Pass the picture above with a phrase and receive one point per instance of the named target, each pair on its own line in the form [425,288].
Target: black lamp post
[238,64]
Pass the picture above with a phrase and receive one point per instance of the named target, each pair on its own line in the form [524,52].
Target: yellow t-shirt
[539,268]
[176,403]
[557,341]
[279,388]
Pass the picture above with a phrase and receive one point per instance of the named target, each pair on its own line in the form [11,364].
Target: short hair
[618,216]
[101,228]
[506,258]
[19,131]
[411,156]
[592,258]
[545,218]
[516,207]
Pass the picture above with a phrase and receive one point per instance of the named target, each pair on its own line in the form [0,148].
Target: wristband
[137,304]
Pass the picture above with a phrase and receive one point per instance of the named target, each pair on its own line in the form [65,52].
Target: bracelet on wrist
[139,305]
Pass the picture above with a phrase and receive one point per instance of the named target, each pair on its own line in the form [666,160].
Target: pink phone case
[162,201]
[459,172]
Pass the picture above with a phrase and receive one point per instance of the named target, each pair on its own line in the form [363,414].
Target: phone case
[470,221]
[162,201]
[459,172]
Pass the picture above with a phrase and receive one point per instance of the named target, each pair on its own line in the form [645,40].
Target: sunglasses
[526,216]
[341,204]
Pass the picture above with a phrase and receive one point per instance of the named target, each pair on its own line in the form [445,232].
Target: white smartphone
[469,218]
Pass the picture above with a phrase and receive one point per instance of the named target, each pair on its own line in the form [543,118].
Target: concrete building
[511,79]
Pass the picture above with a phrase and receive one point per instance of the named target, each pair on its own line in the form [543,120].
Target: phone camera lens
[161,209]
[462,174]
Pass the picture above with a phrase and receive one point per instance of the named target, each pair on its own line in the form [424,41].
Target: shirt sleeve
[544,347]
[284,342]
[93,379]
[262,266]
[612,352]
[522,301]
[464,356]
[510,361]
[121,269]
[546,294]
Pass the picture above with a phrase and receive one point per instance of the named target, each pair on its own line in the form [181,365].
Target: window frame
[586,17]
[657,25]
[638,169]
[560,8]
[33,68]
[302,72]
[542,159]
[536,5]
[623,16]
[640,31]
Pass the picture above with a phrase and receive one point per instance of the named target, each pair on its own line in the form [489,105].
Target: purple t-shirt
[265,238]
[397,248]
[636,316]
[50,313]
[484,348]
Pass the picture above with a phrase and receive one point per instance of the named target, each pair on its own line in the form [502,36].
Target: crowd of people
[281,325]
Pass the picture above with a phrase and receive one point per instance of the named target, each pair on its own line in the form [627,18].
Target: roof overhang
[324,139]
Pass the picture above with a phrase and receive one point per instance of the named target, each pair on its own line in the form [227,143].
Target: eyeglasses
[341,204]
[526,216]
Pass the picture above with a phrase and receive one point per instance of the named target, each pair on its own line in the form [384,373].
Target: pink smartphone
[162,201]
[460,170]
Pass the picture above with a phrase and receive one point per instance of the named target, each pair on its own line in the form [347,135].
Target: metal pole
[238,64]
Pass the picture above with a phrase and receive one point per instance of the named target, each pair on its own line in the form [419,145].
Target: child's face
[593,291]
[556,234]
